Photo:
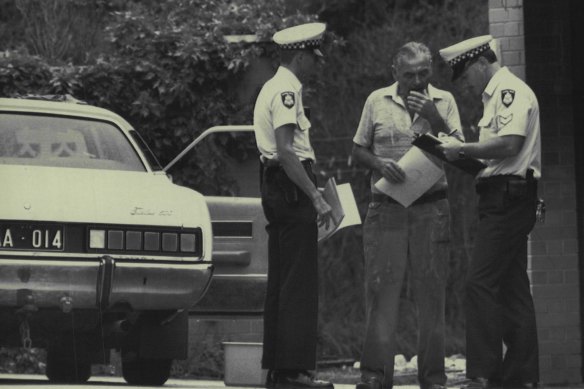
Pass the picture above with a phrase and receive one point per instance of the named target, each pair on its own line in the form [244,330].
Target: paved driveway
[40,382]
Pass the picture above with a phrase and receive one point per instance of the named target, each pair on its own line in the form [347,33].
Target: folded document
[421,174]
[344,208]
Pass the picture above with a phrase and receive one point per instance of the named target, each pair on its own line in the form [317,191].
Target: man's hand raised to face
[422,105]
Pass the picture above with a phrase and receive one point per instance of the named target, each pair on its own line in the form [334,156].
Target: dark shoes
[301,380]
[271,379]
[480,383]
[520,385]
[484,383]
[370,382]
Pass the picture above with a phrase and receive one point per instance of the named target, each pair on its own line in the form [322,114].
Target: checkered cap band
[469,54]
[309,44]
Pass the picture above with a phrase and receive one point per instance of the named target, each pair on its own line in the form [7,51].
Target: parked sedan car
[99,250]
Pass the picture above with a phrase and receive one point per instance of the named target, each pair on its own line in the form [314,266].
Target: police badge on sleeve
[507,97]
[288,99]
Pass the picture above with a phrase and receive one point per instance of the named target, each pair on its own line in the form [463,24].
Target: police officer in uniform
[292,205]
[498,303]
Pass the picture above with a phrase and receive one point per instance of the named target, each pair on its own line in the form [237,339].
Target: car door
[239,236]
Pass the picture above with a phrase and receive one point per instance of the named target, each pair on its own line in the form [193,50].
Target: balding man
[399,240]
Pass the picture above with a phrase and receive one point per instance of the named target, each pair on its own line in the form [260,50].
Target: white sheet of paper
[349,206]
[421,174]
[352,217]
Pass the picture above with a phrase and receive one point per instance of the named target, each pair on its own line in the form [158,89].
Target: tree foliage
[166,67]
[176,63]
[169,71]
[61,30]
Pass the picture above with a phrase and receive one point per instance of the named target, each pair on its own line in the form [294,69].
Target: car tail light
[115,240]
[133,240]
[188,243]
[151,241]
[169,242]
[159,241]
[96,239]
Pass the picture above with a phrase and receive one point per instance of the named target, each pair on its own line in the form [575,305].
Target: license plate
[24,236]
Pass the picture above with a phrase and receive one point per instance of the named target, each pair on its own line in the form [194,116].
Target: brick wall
[506,24]
[535,39]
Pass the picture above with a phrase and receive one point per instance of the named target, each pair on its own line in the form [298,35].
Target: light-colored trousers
[399,241]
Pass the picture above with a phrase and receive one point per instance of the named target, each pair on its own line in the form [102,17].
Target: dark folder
[428,142]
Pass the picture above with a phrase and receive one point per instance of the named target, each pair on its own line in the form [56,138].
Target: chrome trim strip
[96,256]
[145,265]
[240,276]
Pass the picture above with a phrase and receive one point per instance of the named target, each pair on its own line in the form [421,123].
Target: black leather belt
[503,183]
[425,198]
[273,163]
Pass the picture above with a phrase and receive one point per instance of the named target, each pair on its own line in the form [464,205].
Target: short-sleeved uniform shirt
[387,129]
[511,108]
[279,103]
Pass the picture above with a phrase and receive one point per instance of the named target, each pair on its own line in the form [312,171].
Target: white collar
[495,80]
[287,74]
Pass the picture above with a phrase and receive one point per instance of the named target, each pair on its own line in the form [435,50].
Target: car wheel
[65,366]
[146,371]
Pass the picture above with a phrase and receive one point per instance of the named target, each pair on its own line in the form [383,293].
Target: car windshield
[40,140]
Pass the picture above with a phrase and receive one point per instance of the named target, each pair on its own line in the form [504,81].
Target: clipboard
[428,142]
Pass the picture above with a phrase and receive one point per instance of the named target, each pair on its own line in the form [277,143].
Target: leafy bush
[18,360]
[170,73]
[23,75]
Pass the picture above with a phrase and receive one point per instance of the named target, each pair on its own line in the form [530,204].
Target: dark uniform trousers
[291,305]
[498,304]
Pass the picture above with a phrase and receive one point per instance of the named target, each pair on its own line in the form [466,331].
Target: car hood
[97,196]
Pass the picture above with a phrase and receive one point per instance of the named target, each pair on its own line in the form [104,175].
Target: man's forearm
[295,171]
[438,124]
[365,157]
[495,148]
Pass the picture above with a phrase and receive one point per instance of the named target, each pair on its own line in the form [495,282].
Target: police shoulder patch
[288,99]
[507,97]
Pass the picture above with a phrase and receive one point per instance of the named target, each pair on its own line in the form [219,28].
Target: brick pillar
[553,246]
[506,25]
